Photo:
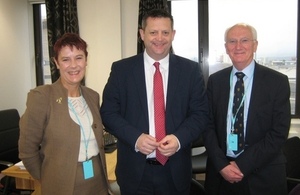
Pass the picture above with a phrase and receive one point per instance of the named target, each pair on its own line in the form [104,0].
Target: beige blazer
[49,138]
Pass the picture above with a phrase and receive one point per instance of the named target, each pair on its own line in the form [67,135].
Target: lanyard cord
[86,141]
[233,117]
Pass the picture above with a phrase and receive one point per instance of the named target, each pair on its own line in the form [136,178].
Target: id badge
[232,142]
[88,170]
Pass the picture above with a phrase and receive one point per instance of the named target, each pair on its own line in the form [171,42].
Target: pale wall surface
[17,67]
[108,26]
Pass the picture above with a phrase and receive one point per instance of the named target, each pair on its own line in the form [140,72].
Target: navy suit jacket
[262,161]
[125,114]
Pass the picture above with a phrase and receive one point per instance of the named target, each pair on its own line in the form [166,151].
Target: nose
[238,44]
[73,63]
[159,36]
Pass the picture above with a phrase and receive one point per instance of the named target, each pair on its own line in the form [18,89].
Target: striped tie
[239,120]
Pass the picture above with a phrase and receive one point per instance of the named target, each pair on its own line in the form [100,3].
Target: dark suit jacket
[267,129]
[125,114]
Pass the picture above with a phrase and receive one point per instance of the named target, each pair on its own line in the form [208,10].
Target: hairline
[157,13]
[251,28]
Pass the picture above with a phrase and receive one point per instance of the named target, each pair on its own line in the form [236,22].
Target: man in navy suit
[128,113]
[259,168]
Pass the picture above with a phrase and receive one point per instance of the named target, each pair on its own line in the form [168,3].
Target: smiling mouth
[239,53]
[160,44]
[73,72]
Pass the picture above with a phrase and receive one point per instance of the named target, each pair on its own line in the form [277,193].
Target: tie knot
[240,75]
[156,64]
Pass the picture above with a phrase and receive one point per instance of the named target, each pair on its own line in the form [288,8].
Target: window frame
[203,45]
[38,43]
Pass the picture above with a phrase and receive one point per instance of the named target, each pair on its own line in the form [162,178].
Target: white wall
[108,26]
[129,23]
[99,26]
[16,72]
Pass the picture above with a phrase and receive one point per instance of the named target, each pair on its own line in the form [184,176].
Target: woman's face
[71,63]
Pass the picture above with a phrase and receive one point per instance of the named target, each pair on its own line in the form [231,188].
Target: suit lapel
[139,78]
[255,93]
[224,87]
[172,81]
[225,91]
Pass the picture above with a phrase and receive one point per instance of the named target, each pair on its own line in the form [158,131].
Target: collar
[164,63]
[248,71]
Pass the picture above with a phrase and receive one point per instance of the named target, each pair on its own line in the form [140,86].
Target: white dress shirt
[149,73]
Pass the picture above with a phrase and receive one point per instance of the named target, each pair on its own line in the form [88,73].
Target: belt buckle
[153,161]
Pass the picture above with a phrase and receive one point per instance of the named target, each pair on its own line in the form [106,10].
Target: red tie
[159,111]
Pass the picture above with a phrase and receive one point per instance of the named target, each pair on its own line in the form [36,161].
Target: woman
[61,141]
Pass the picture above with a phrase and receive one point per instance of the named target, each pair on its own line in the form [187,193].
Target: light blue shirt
[248,82]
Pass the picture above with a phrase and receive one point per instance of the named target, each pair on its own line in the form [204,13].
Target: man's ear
[142,34]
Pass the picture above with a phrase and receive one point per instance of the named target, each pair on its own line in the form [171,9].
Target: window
[43,75]
[46,60]
[276,27]
[186,26]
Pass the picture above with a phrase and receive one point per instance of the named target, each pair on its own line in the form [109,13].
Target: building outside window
[276,27]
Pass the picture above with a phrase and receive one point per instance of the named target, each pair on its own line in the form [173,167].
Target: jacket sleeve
[32,124]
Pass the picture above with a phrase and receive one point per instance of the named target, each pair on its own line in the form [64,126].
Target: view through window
[274,20]
[46,61]
[186,26]
[276,27]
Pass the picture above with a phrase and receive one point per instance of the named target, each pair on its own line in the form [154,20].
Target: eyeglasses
[243,41]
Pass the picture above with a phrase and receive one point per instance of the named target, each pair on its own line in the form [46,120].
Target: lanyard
[233,117]
[86,141]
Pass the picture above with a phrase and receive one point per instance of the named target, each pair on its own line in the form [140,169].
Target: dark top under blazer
[125,114]
[267,129]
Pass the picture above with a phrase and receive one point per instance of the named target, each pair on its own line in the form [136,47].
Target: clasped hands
[146,144]
[232,173]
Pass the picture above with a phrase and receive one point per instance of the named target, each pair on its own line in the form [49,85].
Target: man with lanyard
[250,119]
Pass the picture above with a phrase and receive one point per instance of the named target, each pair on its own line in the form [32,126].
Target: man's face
[240,46]
[157,36]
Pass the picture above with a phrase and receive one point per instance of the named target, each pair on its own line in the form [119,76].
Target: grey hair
[253,30]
